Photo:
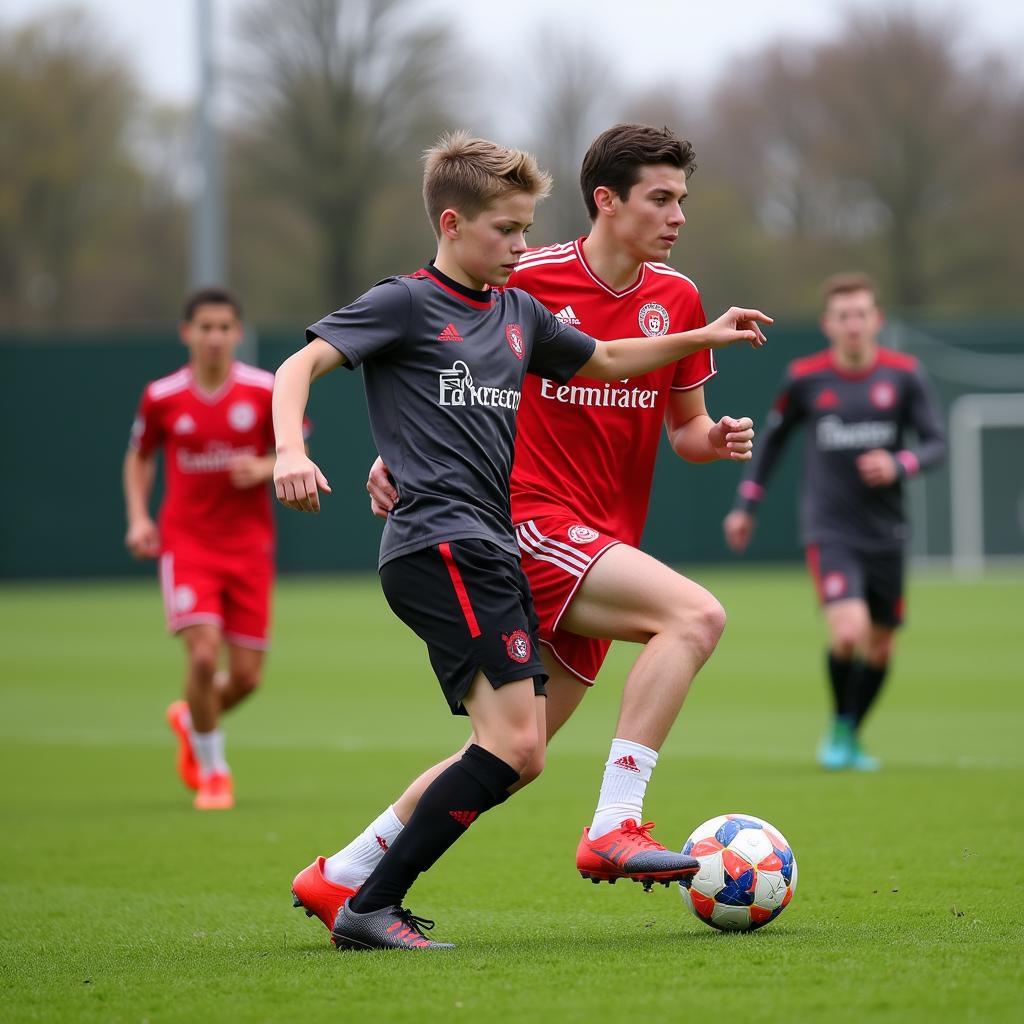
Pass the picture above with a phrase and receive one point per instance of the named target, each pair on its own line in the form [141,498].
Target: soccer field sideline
[126,905]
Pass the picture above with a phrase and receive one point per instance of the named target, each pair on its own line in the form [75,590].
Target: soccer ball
[747,873]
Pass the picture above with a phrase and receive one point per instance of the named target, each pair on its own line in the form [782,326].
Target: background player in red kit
[580,487]
[857,400]
[215,540]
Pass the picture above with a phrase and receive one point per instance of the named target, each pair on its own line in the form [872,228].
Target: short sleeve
[370,325]
[699,368]
[147,432]
[559,350]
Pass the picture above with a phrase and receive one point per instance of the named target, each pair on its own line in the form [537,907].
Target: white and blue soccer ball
[747,873]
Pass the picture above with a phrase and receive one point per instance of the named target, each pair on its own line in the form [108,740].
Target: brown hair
[468,174]
[847,282]
[617,155]
[211,295]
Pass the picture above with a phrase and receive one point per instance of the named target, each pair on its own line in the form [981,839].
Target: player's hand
[383,496]
[877,467]
[738,527]
[245,471]
[733,438]
[298,481]
[738,324]
[143,539]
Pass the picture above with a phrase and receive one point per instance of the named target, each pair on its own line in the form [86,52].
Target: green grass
[122,904]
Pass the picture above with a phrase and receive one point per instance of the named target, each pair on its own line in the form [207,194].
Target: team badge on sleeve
[580,534]
[653,320]
[517,643]
[514,337]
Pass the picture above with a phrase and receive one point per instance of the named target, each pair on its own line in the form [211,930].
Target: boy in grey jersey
[857,401]
[442,393]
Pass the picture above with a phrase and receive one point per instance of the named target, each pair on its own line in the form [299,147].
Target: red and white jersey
[200,432]
[588,448]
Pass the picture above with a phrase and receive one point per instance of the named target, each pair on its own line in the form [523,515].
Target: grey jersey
[847,414]
[443,368]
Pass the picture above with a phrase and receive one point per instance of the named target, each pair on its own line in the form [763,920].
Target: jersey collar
[593,276]
[478,300]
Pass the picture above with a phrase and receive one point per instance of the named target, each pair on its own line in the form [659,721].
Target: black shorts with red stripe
[470,603]
[841,572]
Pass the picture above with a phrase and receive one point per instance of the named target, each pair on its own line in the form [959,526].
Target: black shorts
[841,572]
[469,602]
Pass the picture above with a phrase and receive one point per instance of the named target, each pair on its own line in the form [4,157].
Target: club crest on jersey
[580,534]
[517,643]
[514,337]
[653,320]
[882,395]
[242,416]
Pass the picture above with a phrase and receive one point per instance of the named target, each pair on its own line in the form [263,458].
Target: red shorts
[557,553]
[230,591]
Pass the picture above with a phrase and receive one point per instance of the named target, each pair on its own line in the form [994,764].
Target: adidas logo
[381,842]
[465,818]
[184,424]
[567,316]
[449,334]
[628,763]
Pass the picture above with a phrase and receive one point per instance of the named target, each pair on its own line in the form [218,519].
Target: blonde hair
[468,174]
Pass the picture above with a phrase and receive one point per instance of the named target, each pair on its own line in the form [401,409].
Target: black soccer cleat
[390,928]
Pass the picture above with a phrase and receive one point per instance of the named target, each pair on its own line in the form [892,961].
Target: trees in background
[884,148]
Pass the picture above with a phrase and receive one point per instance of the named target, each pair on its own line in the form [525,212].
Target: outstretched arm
[297,479]
[631,357]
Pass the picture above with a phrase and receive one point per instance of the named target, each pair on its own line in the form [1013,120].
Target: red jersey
[200,432]
[588,448]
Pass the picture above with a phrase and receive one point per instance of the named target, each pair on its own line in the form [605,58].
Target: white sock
[626,774]
[209,751]
[352,865]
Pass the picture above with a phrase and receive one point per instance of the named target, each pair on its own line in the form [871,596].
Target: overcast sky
[649,40]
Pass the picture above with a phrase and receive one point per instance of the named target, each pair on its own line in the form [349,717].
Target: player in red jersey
[215,539]
[858,401]
[580,487]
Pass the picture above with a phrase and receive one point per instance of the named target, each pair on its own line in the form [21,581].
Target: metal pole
[208,218]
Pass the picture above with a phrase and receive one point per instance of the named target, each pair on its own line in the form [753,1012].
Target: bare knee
[245,681]
[879,650]
[520,748]
[203,656]
[533,767]
[703,624]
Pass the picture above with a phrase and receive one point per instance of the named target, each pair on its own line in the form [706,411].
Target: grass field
[120,903]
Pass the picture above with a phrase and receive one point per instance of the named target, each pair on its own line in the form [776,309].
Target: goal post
[969,416]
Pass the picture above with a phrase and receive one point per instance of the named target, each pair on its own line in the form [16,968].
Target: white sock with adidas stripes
[626,774]
[352,865]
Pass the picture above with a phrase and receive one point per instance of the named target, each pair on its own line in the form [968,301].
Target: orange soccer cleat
[630,851]
[316,895]
[188,766]
[216,793]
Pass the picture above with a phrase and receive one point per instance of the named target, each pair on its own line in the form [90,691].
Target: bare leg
[202,651]
[243,675]
[628,595]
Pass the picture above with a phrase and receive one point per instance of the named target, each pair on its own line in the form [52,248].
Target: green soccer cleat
[860,760]
[837,751]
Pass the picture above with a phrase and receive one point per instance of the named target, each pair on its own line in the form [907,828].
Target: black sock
[841,672]
[867,684]
[449,805]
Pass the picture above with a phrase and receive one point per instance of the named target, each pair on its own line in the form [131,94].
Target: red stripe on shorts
[460,588]
[814,564]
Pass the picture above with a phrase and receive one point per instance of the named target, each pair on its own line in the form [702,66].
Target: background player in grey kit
[857,400]
[449,558]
